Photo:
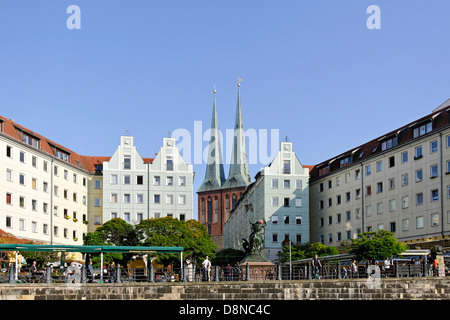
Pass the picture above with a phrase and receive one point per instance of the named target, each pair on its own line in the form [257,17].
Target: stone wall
[349,289]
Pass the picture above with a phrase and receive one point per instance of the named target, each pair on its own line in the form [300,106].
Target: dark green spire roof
[214,176]
[239,175]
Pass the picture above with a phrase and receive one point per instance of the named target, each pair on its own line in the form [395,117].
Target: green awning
[88,249]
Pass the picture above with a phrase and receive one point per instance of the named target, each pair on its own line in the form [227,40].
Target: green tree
[169,232]
[305,251]
[231,256]
[376,245]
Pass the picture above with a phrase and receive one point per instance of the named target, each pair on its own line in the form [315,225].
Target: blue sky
[311,69]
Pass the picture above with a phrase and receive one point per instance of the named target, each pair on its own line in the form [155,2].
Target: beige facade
[399,182]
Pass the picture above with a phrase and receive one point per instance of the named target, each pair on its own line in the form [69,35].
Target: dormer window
[29,139]
[389,143]
[346,161]
[422,129]
[62,155]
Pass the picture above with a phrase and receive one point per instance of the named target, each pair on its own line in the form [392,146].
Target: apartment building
[44,187]
[136,188]
[280,196]
[52,194]
[398,182]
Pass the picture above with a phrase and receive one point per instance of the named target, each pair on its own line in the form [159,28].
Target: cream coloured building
[398,182]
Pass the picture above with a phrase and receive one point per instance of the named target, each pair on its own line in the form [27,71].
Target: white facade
[134,189]
[280,195]
[44,198]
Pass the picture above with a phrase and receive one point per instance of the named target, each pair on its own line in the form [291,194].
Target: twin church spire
[239,175]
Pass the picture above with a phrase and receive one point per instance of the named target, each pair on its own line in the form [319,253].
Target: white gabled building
[280,195]
[136,188]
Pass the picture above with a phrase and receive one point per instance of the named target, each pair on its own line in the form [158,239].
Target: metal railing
[335,270]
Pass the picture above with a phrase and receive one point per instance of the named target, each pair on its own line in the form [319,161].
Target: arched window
[234,200]
[216,209]
[202,212]
[210,209]
[227,207]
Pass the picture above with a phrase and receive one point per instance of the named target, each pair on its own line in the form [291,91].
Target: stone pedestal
[258,268]
[441,264]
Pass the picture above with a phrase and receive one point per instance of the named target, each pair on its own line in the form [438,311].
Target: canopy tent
[89,249]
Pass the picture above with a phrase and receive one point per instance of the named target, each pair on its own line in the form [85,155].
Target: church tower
[217,196]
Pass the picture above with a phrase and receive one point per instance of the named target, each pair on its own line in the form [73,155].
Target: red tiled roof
[87,162]
[439,118]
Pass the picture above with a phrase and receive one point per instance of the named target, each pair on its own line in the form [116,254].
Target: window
[379,166]
[434,219]
[156,180]
[286,166]
[391,183]
[66,174]
[287,184]
[433,146]
[97,202]
[286,219]
[345,161]
[275,183]
[34,161]
[419,175]
[8,198]
[380,187]
[298,202]
[126,216]
[126,179]
[97,184]
[275,201]
[405,202]
[418,153]
[404,156]
[169,181]
[182,199]
[423,129]
[169,164]
[380,208]
[368,190]
[182,181]
[298,220]
[298,184]
[22,179]
[404,179]
[368,170]
[8,222]
[127,162]
[126,198]
[391,162]
[419,199]
[8,175]
[169,199]
[390,143]
[140,180]
[274,237]
[113,179]
[75,178]
[392,205]
[9,151]
[434,195]
[405,225]
[434,171]
[113,197]
[139,198]
[274,219]
[22,157]
[419,222]
[286,202]
[22,202]
[156,198]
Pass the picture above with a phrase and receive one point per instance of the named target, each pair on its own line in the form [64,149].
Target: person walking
[90,272]
[316,265]
[207,267]
[111,272]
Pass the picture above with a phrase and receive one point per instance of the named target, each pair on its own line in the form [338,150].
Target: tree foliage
[376,245]
[228,256]
[304,251]
[158,232]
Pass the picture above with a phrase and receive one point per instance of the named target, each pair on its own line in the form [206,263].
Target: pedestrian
[228,272]
[435,267]
[207,267]
[316,265]
[354,269]
[90,272]
[111,272]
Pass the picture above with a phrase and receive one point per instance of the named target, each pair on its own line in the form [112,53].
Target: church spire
[239,175]
[214,176]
